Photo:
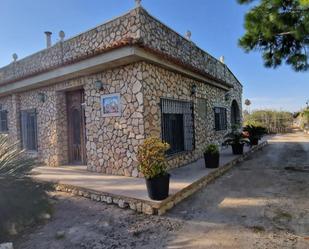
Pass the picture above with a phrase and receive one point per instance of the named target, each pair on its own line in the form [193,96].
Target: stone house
[93,98]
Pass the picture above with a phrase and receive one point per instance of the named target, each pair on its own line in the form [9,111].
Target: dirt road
[261,203]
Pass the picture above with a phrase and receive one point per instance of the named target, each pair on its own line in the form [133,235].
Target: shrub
[212,149]
[235,137]
[151,157]
[255,132]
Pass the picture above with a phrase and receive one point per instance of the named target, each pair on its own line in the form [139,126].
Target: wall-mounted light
[193,90]
[42,97]
[98,85]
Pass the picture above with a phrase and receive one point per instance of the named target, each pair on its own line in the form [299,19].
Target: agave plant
[13,161]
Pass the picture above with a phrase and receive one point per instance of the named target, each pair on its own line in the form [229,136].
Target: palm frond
[13,161]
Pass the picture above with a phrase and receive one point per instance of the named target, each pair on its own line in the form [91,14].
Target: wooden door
[76,127]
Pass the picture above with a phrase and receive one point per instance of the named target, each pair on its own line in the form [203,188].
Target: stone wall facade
[161,83]
[112,142]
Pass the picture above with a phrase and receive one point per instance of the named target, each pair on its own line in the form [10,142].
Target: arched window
[235,113]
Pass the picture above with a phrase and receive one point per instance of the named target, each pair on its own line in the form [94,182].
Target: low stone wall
[101,38]
[158,36]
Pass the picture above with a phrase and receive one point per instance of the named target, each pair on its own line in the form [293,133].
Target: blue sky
[215,26]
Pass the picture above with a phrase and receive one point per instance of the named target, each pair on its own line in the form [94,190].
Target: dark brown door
[76,127]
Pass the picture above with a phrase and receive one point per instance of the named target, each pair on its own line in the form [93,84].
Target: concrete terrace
[131,192]
[127,186]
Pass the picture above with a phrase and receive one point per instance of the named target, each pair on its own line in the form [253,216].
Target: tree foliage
[269,119]
[280,30]
[304,119]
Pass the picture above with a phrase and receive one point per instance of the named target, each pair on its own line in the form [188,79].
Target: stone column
[15,132]
[61,129]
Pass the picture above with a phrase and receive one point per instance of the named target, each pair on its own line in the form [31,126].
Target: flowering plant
[235,137]
[151,157]
[254,131]
[246,134]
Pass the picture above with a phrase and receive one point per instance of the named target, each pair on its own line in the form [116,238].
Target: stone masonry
[112,142]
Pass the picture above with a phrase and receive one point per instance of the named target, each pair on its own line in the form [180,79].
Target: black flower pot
[238,149]
[254,141]
[211,160]
[158,187]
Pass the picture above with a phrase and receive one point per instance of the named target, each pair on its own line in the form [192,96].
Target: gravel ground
[261,203]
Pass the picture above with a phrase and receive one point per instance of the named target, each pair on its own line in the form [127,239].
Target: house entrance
[76,127]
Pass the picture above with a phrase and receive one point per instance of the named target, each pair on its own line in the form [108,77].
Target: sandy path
[258,204]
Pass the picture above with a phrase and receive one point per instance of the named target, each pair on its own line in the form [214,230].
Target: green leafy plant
[212,149]
[279,30]
[236,137]
[151,157]
[255,132]
[13,161]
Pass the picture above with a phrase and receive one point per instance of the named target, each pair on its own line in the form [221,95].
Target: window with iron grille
[220,118]
[4,121]
[177,123]
[29,129]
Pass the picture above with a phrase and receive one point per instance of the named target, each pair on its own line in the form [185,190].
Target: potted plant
[211,156]
[153,165]
[237,140]
[256,132]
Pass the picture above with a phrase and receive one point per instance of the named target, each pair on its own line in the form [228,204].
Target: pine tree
[279,29]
